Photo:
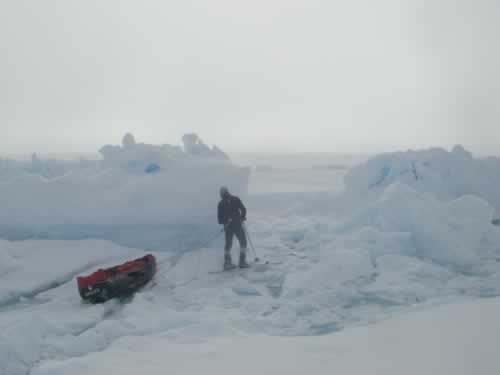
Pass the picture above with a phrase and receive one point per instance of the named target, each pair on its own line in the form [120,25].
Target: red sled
[118,281]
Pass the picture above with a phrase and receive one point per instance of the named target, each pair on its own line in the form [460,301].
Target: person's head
[224,192]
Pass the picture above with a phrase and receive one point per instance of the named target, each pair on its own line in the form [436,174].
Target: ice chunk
[448,233]
[128,141]
[447,175]
[193,145]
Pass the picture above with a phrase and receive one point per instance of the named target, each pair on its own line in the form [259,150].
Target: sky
[276,75]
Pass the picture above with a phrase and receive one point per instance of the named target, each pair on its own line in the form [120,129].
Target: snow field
[41,315]
[320,279]
[424,342]
[369,253]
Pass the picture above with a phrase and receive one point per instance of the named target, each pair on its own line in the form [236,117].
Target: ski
[228,270]
[250,266]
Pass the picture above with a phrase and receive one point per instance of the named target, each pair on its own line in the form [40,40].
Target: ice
[448,233]
[458,339]
[47,168]
[444,174]
[117,200]
[193,145]
[133,156]
[361,256]
[296,173]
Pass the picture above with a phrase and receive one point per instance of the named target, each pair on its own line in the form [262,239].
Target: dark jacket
[231,210]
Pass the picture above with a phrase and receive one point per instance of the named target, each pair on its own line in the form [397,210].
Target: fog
[278,75]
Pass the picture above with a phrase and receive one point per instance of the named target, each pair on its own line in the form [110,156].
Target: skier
[232,213]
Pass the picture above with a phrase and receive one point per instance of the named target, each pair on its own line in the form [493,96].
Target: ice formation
[411,233]
[119,198]
[446,175]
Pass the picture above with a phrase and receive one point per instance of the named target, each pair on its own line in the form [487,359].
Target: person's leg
[242,239]
[228,263]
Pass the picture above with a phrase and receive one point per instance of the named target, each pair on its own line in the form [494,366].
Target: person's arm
[243,210]
[220,215]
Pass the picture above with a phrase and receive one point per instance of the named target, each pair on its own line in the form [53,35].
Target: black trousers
[235,229]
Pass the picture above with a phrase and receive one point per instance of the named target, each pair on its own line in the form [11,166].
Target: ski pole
[251,243]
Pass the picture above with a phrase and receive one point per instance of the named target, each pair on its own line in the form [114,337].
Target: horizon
[95,155]
[66,149]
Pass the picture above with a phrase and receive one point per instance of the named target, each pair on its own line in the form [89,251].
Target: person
[232,213]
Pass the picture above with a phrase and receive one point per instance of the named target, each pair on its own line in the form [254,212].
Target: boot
[228,263]
[243,260]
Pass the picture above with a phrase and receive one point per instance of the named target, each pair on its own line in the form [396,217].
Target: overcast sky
[260,75]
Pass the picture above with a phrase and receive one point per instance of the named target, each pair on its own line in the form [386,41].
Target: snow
[449,233]
[39,303]
[458,339]
[32,267]
[351,275]
[446,175]
[320,280]
[116,199]
[296,173]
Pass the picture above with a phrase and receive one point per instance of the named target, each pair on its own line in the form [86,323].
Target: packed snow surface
[335,261]
[29,268]
[424,342]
